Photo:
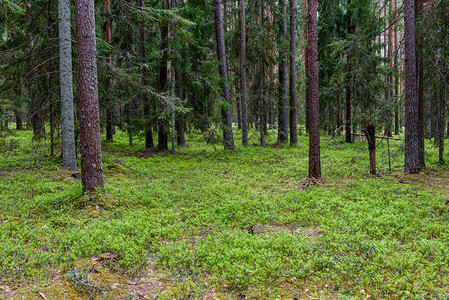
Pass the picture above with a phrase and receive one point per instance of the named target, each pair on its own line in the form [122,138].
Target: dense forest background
[157,65]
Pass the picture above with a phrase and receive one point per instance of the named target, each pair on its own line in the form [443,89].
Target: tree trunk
[91,161]
[411,159]
[420,87]
[180,132]
[442,110]
[348,109]
[370,134]
[109,104]
[243,73]
[293,126]
[162,133]
[283,105]
[149,143]
[350,30]
[261,78]
[396,73]
[228,138]
[389,76]
[314,105]
[66,87]
[307,100]
[19,121]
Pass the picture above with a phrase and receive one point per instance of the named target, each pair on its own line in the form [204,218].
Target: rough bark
[180,131]
[162,133]
[261,87]
[19,121]
[389,76]
[149,143]
[283,105]
[66,87]
[411,159]
[350,29]
[90,146]
[396,73]
[243,73]
[305,72]
[228,138]
[442,110]
[293,125]
[109,104]
[312,73]
[370,133]
[420,87]
[348,109]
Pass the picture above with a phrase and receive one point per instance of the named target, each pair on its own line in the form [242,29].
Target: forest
[219,149]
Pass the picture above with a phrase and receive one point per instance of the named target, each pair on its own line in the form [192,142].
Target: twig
[381,137]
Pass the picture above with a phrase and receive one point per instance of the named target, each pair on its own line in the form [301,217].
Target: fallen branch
[336,132]
[381,137]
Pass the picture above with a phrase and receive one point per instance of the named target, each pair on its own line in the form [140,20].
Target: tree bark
[293,125]
[243,73]
[442,110]
[261,78]
[411,159]
[420,86]
[350,30]
[283,105]
[228,138]
[370,134]
[109,105]
[149,143]
[91,158]
[19,121]
[396,73]
[180,132]
[66,87]
[389,76]
[162,133]
[348,109]
[312,73]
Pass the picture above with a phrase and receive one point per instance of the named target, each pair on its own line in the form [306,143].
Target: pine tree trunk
[162,133]
[411,158]
[420,86]
[19,121]
[396,73]
[283,105]
[66,87]
[180,132]
[370,134]
[350,30]
[109,104]
[348,109]
[149,143]
[389,77]
[293,126]
[314,106]
[305,72]
[442,110]
[261,78]
[228,138]
[91,161]
[243,73]
[239,113]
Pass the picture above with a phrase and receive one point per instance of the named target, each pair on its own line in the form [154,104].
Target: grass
[225,224]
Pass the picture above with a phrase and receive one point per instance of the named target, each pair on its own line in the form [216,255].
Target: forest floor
[213,224]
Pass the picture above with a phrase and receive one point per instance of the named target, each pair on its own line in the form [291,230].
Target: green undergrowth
[228,224]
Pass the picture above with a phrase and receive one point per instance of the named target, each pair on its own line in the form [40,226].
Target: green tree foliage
[351,58]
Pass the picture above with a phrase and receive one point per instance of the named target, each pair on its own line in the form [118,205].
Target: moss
[116,168]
